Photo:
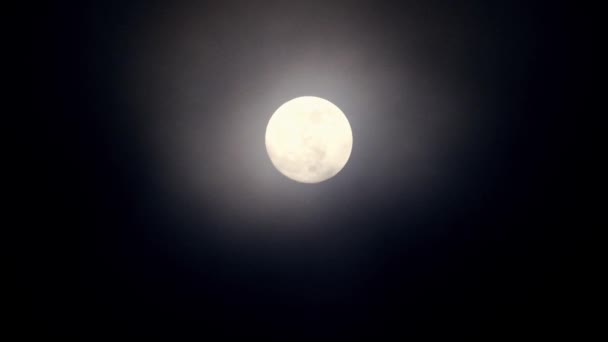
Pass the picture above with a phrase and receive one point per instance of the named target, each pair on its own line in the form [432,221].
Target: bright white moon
[309,139]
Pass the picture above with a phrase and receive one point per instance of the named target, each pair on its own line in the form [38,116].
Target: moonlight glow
[309,139]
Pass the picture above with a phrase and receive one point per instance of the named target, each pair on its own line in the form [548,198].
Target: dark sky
[159,213]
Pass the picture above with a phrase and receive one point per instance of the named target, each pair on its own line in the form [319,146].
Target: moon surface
[309,139]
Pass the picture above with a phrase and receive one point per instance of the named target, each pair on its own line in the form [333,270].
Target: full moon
[309,139]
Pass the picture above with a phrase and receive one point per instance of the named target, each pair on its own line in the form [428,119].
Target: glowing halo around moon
[309,139]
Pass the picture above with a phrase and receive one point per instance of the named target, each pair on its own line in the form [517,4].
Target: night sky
[158,211]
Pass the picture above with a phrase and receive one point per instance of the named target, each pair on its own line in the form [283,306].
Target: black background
[477,248]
